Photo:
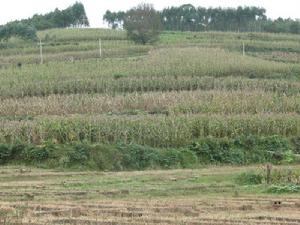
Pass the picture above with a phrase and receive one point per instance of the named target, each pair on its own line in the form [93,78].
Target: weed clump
[249,178]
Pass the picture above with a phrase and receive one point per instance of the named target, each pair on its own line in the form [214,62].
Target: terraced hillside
[190,100]
[185,88]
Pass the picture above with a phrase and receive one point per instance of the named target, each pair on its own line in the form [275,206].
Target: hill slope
[191,91]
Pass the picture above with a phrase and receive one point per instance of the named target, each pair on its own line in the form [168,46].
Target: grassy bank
[242,150]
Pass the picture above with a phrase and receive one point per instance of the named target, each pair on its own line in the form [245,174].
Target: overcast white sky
[19,9]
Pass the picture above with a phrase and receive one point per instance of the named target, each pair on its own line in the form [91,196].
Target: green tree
[114,19]
[295,27]
[17,29]
[143,24]
[189,18]
[77,15]
[73,16]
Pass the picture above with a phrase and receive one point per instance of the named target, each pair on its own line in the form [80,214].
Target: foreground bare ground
[202,196]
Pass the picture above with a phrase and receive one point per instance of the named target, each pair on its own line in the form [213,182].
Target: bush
[143,24]
[214,150]
[275,146]
[36,154]
[249,178]
[296,144]
[80,153]
[241,150]
[170,158]
[238,151]
[138,157]
[106,157]
[17,151]
[5,153]
[188,158]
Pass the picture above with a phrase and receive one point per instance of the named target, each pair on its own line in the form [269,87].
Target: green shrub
[5,153]
[170,158]
[236,151]
[208,150]
[106,157]
[36,154]
[138,157]
[289,157]
[188,158]
[276,146]
[222,150]
[80,153]
[296,144]
[17,150]
[241,150]
[249,178]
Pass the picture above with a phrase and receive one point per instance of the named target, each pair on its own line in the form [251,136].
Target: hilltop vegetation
[73,16]
[188,17]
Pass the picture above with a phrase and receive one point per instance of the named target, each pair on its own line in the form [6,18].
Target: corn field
[164,95]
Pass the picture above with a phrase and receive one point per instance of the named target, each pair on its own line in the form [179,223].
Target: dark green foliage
[241,150]
[138,157]
[18,29]
[190,18]
[282,26]
[73,16]
[37,154]
[5,153]
[296,144]
[170,158]
[80,153]
[17,150]
[177,158]
[106,157]
[114,19]
[214,150]
[249,178]
[143,24]
[188,158]
[295,27]
[275,146]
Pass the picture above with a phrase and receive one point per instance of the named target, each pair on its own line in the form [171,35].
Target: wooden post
[41,51]
[244,48]
[100,48]
[269,169]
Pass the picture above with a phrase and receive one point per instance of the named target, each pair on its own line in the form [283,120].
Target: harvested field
[202,196]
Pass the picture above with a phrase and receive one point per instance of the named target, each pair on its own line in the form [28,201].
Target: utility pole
[41,51]
[100,48]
